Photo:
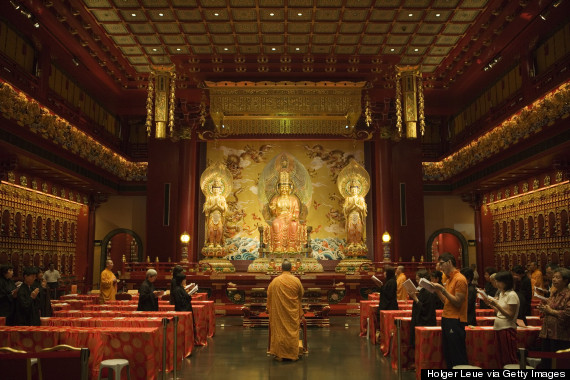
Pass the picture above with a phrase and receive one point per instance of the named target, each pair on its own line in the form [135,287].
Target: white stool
[516,366]
[465,366]
[116,365]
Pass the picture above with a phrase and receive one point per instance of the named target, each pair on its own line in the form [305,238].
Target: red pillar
[381,180]
[187,207]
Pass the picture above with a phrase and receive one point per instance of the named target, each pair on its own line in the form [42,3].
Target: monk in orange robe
[108,284]
[285,312]
[400,279]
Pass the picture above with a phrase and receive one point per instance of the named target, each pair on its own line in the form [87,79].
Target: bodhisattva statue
[355,214]
[353,184]
[215,209]
[285,208]
[216,184]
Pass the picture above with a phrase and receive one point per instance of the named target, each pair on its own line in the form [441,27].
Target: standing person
[475,274]
[524,291]
[555,331]
[437,276]
[108,283]
[400,279]
[182,301]
[148,297]
[8,293]
[490,289]
[507,307]
[388,291]
[27,310]
[423,308]
[52,277]
[454,317]
[175,272]
[284,296]
[535,275]
[44,296]
[471,296]
[547,279]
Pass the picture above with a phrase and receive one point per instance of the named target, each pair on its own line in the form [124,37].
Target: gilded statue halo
[353,174]
[216,175]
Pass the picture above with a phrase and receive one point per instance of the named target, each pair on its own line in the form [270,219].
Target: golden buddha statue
[215,209]
[355,214]
[284,208]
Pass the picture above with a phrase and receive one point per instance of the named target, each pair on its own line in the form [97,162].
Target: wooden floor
[335,353]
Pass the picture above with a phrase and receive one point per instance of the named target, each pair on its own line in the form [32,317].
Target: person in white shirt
[52,278]
[507,307]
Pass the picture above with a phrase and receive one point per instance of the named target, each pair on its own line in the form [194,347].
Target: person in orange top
[108,283]
[400,278]
[284,296]
[454,317]
[535,275]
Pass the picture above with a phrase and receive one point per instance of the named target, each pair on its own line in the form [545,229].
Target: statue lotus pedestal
[355,260]
[215,261]
[271,263]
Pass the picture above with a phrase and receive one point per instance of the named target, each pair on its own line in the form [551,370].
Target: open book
[193,290]
[409,286]
[481,294]
[377,281]
[540,297]
[426,285]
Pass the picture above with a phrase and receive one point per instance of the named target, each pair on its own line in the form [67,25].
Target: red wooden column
[381,181]
[187,207]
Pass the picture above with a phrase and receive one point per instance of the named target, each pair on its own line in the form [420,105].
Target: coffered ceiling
[452,40]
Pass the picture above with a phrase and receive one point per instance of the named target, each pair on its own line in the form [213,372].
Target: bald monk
[108,284]
[285,312]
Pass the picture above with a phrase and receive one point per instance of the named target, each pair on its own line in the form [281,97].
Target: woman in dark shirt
[43,296]
[8,293]
[148,300]
[471,296]
[436,276]
[423,308]
[388,292]
[181,299]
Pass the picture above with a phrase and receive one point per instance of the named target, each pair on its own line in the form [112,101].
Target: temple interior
[229,135]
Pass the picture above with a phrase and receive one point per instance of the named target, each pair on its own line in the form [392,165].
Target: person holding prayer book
[423,308]
[555,331]
[436,276]
[179,296]
[454,316]
[388,291]
[507,306]
[148,296]
[490,289]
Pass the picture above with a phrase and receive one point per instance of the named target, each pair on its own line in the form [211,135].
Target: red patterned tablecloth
[366,313]
[148,322]
[210,309]
[124,307]
[140,346]
[185,323]
[407,352]
[480,341]
[60,306]
[201,324]
[374,297]
[91,298]
[200,297]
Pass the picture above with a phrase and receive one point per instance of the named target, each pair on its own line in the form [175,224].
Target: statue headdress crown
[284,178]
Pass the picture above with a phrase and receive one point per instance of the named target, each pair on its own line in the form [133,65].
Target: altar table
[185,322]
[140,346]
[481,345]
[124,307]
[148,322]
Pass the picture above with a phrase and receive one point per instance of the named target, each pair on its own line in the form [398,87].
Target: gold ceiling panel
[300,3]
[244,14]
[352,28]
[447,40]
[213,3]
[323,39]
[273,49]
[155,3]
[440,50]
[327,14]
[429,28]
[358,3]
[428,68]
[198,40]
[275,15]
[345,49]
[355,15]
[216,15]
[445,3]
[438,15]
[382,15]
[115,28]
[300,14]
[219,28]
[409,60]
[404,28]
[416,50]
[320,49]
[375,28]
[392,49]
[148,40]
[330,3]
[106,15]
[137,60]
[161,15]
[142,68]
[160,60]
[141,28]
[432,60]
[348,39]
[154,50]
[272,27]
[97,3]
[123,40]
[245,27]
[455,28]
[226,49]
[373,40]
[126,3]
[465,16]
[299,27]
[184,3]
[271,3]
[182,49]
[298,39]
[133,15]
[422,40]
[194,28]
[410,15]
[273,39]
[417,3]
[223,39]
[397,40]
[188,15]
[248,39]
[387,3]
[325,27]
[167,28]
[131,50]
[173,40]
[242,3]
[250,49]
[473,3]
[370,50]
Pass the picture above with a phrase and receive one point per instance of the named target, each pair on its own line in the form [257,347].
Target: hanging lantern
[409,101]
[160,102]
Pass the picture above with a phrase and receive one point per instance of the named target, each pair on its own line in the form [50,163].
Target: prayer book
[18,284]
[409,286]
[377,280]
[194,290]
[426,285]
[540,297]
[481,294]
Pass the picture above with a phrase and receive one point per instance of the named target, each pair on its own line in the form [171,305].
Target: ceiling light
[154,49]
[161,14]
[437,14]
[272,48]
[297,49]
[216,14]
[15,5]
[75,61]
[416,49]
[178,49]
[272,14]
[134,14]
[299,14]
[410,14]
[392,49]
[36,24]
[544,15]
[226,49]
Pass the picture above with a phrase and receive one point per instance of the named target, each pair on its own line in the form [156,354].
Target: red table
[200,296]
[201,324]
[366,314]
[92,298]
[211,315]
[185,323]
[140,346]
[124,307]
[480,341]
[148,322]
[407,352]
